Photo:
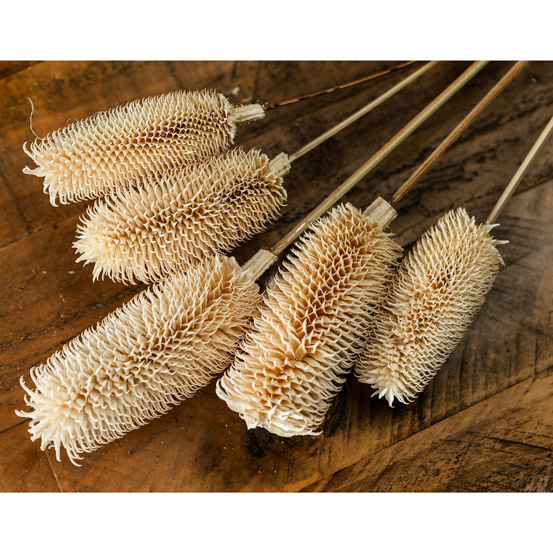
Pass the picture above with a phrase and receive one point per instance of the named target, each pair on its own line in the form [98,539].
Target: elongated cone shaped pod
[438,289]
[142,359]
[305,338]
[121,146]
[175,220]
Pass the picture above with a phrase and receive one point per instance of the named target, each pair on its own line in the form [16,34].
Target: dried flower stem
[380,155]
[521,171]
[173,221]
[458,130]
[363,111]
[340,87]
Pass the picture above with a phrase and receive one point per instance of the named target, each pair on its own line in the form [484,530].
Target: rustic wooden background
[486,421]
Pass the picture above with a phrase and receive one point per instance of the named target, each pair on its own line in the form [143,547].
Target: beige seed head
[305,338]
[438,289]
[175,220]
[121,146]
[142,359]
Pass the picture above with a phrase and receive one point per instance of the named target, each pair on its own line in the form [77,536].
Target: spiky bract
[121,146]
[177,219]
[142,359]
[438,289]
[305,338]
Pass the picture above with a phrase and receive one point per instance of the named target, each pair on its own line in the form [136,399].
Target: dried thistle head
[438,289]
[178,218]
[142,359]
[123,145]
[305,338]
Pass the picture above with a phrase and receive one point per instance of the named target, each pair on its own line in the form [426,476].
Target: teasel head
[142,359]
[440,285]
[176,219]
[437,290]
[121,146]
[304,340]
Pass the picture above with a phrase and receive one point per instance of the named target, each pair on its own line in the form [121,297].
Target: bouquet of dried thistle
[168,215]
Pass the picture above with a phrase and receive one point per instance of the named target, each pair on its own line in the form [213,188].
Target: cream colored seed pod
[175,220]
[439,287]
[142,359]
[121,146]
[315,311]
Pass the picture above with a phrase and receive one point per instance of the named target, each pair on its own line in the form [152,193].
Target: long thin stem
[363,111]
[459,129]
[340,86]
[509,190]
[393,143]
[263,259]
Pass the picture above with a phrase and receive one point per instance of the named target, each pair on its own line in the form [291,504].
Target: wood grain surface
[486,421]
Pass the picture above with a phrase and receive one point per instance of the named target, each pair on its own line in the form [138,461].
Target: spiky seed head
[142,359]
[439,287]
[178,218]
[121,146]
[305,338]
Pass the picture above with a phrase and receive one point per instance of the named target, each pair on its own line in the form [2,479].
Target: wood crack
[377,451]
[13,426]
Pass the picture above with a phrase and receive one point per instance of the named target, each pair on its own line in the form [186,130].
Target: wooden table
[486,421]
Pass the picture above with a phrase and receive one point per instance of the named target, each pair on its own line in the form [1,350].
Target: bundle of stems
[316,312]
[174,220]
[164,344]
[437,291]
